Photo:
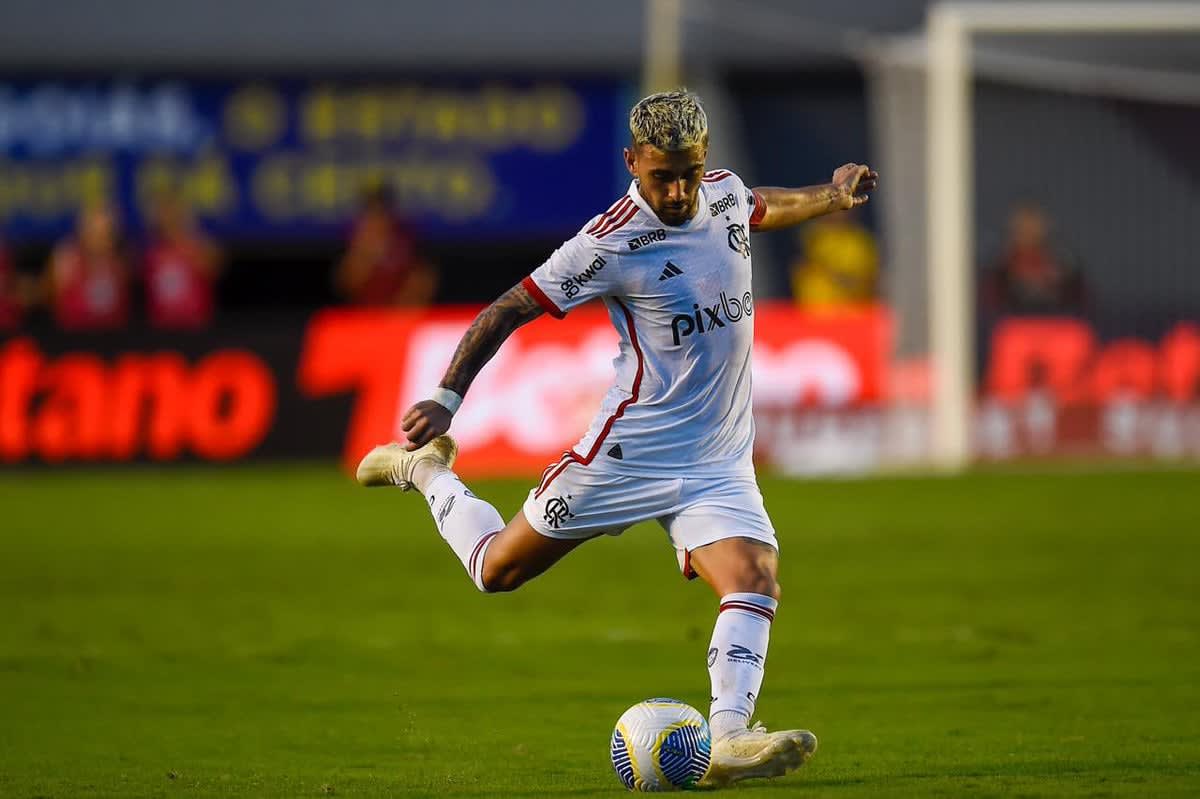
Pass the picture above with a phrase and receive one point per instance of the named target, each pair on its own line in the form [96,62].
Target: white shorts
[580,502]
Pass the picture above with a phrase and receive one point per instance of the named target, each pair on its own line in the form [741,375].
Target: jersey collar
[692,223]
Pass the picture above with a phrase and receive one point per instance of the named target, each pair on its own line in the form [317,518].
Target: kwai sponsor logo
[571,286]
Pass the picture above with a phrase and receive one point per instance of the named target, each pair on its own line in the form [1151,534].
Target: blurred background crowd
[97,277]
[164,157]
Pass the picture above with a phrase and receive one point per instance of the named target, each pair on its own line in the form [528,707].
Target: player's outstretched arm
[429,419]
[850,188]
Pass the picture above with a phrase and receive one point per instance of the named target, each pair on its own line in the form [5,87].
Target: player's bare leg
[742,572]
[497,557]
[520,553]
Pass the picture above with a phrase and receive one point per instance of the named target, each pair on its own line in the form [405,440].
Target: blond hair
[670,121]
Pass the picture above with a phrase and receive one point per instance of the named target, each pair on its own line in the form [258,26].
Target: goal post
[950,176]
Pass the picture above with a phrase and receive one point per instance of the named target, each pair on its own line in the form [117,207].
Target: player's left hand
[853,184]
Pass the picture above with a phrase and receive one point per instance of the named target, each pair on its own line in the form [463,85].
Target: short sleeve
[575,273]
[757,206]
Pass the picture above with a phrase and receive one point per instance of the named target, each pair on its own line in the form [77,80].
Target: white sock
[737,656]
[466,522]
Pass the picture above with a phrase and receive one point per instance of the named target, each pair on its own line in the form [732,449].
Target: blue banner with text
[290,158]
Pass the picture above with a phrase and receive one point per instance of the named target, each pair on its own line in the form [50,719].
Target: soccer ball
[661,745]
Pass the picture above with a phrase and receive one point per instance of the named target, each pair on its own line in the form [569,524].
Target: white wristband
[448,399]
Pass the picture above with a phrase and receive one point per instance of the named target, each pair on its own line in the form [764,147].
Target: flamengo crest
[739,241]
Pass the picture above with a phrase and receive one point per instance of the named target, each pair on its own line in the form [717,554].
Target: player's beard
[678,215]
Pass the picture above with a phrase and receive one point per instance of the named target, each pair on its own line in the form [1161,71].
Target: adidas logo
[671,270]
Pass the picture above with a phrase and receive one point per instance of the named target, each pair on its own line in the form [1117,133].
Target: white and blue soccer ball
[661,745]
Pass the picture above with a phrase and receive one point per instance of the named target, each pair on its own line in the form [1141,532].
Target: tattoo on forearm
[490,329]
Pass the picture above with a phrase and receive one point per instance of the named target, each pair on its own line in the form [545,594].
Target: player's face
[669,181]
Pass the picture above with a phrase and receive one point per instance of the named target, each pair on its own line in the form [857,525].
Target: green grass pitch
[276,631]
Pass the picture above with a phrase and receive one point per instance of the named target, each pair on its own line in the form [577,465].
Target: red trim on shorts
[617,208]
[769,615]
[760,209]
[688,571]
[540,296]
[566,456]
[562,464]
[584,460]
[475,553]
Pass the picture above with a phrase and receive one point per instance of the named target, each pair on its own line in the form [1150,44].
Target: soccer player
[673,437]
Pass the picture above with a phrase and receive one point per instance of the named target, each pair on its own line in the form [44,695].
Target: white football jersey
[681,301]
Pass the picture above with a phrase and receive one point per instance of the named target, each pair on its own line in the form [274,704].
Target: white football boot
[757,753]
[393,465]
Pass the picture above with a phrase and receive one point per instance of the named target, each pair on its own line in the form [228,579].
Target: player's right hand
[853,184]
[424,422]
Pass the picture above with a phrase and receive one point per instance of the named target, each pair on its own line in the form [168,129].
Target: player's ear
[631,161]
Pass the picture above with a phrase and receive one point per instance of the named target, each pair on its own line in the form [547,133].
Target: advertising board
[288,158]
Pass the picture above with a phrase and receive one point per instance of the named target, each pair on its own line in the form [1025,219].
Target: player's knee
[758,574]
[750,579]
[499,578]
[762,581]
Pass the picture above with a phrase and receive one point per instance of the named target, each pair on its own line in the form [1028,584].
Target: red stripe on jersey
[748,608]
[760,209]
[540,297]
[715,175]
[635,390]
[618,208]
[618,224]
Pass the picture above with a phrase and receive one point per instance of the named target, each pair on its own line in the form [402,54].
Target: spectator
[838,264]
[181,268]
[87,279]
[382,265]
[1032,276]
[12,292]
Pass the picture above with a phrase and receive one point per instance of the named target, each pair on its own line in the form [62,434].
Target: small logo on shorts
[712,656]
[558,511]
